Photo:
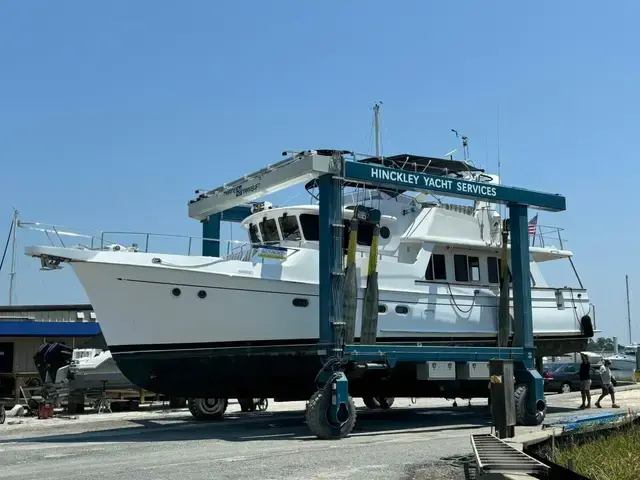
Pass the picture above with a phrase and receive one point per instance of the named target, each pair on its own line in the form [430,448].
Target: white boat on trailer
[242,325]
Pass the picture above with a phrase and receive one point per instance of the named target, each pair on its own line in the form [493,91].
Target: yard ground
[410,441]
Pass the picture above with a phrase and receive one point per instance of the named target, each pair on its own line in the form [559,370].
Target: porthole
[202,294]
[382,309]
[176,292]
[385,232]
[402,309]
[300,302]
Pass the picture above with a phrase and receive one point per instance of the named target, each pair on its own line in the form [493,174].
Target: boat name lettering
[437,183]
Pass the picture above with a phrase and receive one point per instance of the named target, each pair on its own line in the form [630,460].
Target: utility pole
[628,308]
[12,272]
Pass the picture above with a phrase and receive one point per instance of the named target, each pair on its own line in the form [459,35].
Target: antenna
[12,272]
[376,126]
[465,144]
[450,154]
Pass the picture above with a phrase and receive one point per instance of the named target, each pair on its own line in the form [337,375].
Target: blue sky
[113,113]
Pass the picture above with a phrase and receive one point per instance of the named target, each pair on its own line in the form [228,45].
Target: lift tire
[523,415]
[317,417]
[208,408]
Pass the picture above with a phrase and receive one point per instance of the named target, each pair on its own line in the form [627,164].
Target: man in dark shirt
[585,381]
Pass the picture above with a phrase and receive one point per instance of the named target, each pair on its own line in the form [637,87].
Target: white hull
[135,305]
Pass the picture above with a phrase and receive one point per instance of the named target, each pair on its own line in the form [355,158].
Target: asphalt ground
[425,440]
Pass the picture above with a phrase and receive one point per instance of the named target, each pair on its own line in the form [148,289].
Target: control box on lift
[473,371]
[436,371]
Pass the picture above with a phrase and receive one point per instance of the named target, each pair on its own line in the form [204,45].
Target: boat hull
[286,373]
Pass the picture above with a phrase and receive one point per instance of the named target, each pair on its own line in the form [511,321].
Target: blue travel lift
[331,411]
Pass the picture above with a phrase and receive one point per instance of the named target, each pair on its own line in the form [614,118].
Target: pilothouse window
[269,230]
[253,233]
[461,268]
[437,268]
[310,228]
[289,227]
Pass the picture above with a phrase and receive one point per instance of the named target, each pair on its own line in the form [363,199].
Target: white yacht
[242,325]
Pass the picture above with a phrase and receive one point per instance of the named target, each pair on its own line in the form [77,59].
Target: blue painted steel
[236,214]
[330,254]
[30,328]
[394,178]
[416,353]
[523,323]
[211,230]
[339,398]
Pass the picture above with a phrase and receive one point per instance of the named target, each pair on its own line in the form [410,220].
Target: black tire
[385,402]
[375,403]
[3,414]
[208,408]
[247,404]
[523,415]
[562,387]
[371,402]
[263,404]
[317,417]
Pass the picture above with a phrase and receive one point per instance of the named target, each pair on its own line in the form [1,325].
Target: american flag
[533,224]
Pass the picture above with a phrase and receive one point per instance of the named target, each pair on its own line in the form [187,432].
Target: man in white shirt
[607,386]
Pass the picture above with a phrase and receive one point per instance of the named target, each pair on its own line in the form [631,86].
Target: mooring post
[503,410]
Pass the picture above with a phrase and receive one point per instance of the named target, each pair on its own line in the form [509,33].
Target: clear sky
[113,113]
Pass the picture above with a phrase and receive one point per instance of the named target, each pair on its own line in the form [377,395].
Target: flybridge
[409,175]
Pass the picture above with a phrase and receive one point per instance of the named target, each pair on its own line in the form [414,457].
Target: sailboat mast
[628,308]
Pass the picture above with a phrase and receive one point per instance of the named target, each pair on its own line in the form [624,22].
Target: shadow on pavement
[278,426]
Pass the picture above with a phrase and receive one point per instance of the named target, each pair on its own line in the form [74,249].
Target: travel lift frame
[330,168]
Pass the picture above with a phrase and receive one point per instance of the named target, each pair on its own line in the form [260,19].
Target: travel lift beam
[331,170]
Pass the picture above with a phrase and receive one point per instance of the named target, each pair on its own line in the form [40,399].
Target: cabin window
[402,309]
[310,227]
[461,268]
[253,233]
[474,269]
[493,270]
[437,268]
[269,230]
[289,227]
[382,308]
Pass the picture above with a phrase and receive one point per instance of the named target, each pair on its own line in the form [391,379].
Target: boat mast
[628,308]
[12,272]
[376,126]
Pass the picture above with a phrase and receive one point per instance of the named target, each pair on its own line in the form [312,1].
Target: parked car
[565,377]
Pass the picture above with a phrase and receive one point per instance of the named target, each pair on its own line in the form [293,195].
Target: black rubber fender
[587,326]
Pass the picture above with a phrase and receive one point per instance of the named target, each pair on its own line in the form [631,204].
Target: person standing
[607,385]
[585,381]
